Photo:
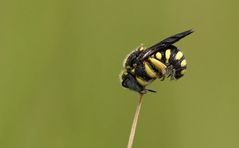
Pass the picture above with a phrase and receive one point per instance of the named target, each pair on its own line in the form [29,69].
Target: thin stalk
[134,124]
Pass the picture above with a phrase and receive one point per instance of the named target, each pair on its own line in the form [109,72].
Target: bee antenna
[150,90]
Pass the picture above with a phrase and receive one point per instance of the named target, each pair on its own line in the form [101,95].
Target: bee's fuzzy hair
[140,47]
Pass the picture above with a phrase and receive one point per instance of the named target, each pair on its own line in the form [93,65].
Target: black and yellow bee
[144,65]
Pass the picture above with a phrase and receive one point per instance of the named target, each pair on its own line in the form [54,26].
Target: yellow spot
[141,48]
[167,55]
[158,55]
[158,65]
[141,81]
[133,70]
[151,73]
[179,55]
[183,71]
[183,63]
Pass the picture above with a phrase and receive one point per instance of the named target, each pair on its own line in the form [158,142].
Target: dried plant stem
[134,124]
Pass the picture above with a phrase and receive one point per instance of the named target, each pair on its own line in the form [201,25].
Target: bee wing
[163,44]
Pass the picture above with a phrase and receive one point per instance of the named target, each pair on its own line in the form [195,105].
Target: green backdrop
[60,61]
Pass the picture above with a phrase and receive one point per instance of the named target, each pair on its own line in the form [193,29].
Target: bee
[144,65]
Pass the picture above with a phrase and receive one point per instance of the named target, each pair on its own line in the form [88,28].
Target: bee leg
[163,73]
[170,72]
[150,90]
[162,78]
[172,76]
[143,91]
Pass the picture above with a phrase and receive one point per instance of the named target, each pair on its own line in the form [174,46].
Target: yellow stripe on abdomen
[141,81]
[150,72]
[183,63]
[167,55]
[159,65]
[183,71]
[179,55]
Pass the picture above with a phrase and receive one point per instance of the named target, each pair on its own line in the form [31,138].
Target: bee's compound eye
[124,78]
[129,81]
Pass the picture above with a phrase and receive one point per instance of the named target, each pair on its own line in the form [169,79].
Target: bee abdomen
[158,66]
[180,72]
[173,57]
[145,73]
[141,72]
[151,72]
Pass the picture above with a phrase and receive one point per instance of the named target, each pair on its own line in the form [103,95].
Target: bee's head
[129,81]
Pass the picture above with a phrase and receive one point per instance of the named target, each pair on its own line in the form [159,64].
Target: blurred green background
[60,61]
